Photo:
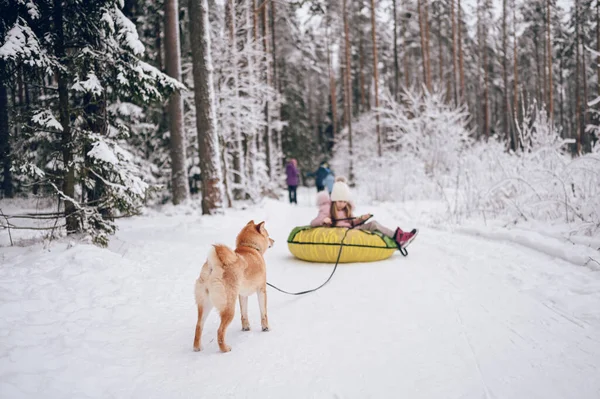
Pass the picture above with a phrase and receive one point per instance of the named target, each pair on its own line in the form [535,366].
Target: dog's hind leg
[203,312]
[262,304]
[226,318]
[204,308]
[244,311]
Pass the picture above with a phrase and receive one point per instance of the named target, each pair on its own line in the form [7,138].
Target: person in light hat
[337,212]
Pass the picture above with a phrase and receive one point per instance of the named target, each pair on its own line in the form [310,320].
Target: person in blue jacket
[320,174]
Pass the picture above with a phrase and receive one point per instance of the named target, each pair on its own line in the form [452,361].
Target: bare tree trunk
[332,87]
[427,47]
[179,178]
[562,96]
[5,155]
[268,131]
[538,75]
[423,42]
[206,124]
[454,55]
[274,46]
[486,101]
[405,57]
[585,142]
[396,67]
[479,112]
[376,78]
[348,94]
[276,87]
[461,68]
[158,44]
[505,102]
[544,98]
[239,165]
[598,47]
[440,45]
[361,73]
[73,221]
[254,21]
[515,67]
[550,82]
[578,107]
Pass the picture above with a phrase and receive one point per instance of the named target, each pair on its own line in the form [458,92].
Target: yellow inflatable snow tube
[322,244]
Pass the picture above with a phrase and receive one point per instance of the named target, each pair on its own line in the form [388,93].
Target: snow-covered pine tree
[83,57]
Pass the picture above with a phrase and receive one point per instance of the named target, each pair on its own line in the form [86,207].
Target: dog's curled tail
[221,255]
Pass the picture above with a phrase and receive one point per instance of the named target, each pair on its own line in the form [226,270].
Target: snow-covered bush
[428,154]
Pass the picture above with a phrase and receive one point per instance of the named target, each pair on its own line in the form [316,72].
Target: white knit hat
[340,191]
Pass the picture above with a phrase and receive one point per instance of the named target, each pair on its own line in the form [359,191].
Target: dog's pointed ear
[251,223]
[260,227]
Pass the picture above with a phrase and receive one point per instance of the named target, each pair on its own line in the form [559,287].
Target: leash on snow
[337,261]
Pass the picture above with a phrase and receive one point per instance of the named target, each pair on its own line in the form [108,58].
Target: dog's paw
[197,348]
[266,329]
[225,348]
[246,328]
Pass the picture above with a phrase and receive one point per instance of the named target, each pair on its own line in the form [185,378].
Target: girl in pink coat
[337,212]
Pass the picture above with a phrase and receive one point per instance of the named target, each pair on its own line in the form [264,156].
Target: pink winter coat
[324,204]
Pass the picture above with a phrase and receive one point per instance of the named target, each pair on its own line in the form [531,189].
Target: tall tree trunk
[454,55]
[585,142]
[461,67]
[73,220]
[505,102]
[332,88]
[396,67]
[204,96]
[179,178]
[423,42]
[5,155]
[376,78]
[361,73]
[515,70]
[578,107]
[562,96]
[550,82]
[598,48]
[254,21]
[276,86]
[427,47]
[538,70]
[274,46]
[347,88]
[486,100]
[268,131]
[239,165]
[158,43]
[440,45]
[405,53]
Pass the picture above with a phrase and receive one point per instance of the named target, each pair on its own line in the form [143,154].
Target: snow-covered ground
[468,314]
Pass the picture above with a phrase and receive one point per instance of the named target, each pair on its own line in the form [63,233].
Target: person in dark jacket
[292,180]
[320,174]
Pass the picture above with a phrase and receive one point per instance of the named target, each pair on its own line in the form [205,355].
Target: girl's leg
[372,226]
[294,194]
[290,193]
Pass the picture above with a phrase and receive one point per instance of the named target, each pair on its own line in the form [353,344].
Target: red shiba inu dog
[227,275]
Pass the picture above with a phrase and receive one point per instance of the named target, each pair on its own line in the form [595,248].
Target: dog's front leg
[244,311]
[262,304]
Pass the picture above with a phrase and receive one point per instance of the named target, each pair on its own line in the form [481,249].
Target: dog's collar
[249,245]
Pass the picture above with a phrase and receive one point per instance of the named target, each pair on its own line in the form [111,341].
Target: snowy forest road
[460,317]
